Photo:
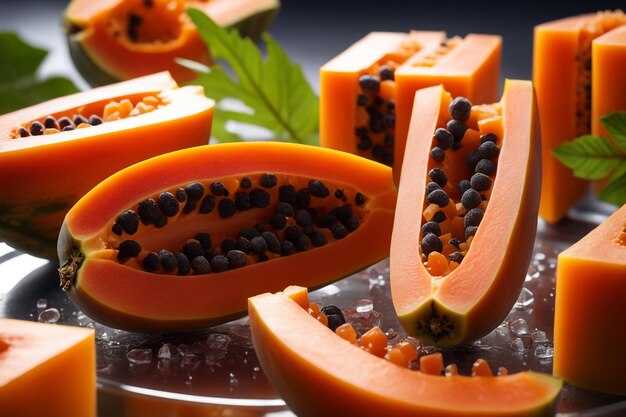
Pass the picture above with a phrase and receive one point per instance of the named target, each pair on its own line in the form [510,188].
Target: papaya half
[181,240]
[483,194]
[590,293]
[54,152]
[318,373]
[366,92]
[578,70]
[114,40]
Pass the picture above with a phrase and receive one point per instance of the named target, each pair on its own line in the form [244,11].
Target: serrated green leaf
[19,86]
[615,191]
[274,90]
[615,124]
[590,157]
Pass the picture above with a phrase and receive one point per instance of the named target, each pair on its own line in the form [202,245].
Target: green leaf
[615,191]
[590,157]
[19,85]
[274,90]
[615,124]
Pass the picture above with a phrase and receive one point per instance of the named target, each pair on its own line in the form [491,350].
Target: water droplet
[218,341]
[364,306]
[256,369]
[518,327]
[139,356]
[50,315]
[525,299]
[543,352]
[42,303]
[539,336]
[232,381]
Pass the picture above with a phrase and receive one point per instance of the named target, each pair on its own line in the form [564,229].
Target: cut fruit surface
[343,379]
[366,93]
[218,224]
[590,293]
[112,40]
[54,152]
[33,356]
[465,225]
[576,71]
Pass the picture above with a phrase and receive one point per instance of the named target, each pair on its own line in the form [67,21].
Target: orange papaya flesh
[114,40]
[590,291]
[324,214]
[53,170]
[475,288]
[573,92]
[32,356]
[366,93]
[342,379]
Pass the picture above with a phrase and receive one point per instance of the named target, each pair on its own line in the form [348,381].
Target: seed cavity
[287,215]
[456,200]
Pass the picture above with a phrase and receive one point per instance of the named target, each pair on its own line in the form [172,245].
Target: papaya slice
[455,274]
[576,70]
[182,240]
[53,153]
[32,356]
[366,92]
[114,40]
[590,293]
[318,373]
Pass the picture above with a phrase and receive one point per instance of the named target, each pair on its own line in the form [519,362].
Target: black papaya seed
[218,189]
[129,220]
[268,180]
[128,249]
[207,205]
[168,204]
[273,244]
[226,207]
[204,239]
[184,267]
[236,259]
[219,263]
[246,182]
[181,195]
[287,248]
[195,190]
[151,262]
[242,201]
[287,194]
[431,243]
[259,198]
[201,265]
[168,260]
[258,245]
[460,109]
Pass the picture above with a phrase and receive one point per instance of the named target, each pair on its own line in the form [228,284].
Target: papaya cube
[46,370]
[590,312]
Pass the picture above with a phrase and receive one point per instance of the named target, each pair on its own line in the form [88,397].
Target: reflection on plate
[215,372]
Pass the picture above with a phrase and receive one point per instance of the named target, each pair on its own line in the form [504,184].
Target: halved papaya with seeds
[576,70]
[366,93]
[113,40]
[454,279]
[319,373]
[52,153]
[181,240]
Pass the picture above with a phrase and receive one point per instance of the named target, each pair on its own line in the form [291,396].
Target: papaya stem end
[68,270]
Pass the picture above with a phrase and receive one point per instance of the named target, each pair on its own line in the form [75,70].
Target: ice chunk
[363,306]
[139,356]
[218,341]
[525,299]
[544,352]
[42,303]
[539,336]
[518,327]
